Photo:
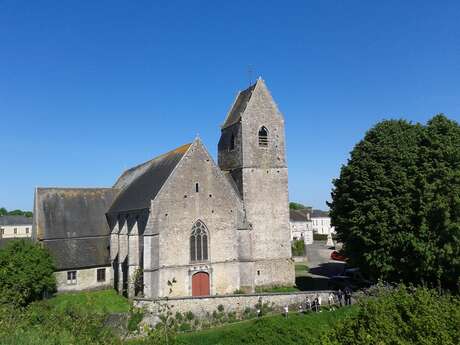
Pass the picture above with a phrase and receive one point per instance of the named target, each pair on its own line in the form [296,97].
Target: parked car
[335,255]
[351,277]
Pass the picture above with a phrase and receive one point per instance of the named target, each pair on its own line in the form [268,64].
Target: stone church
[180,224]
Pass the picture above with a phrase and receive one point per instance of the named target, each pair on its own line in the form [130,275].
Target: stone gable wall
[174,212]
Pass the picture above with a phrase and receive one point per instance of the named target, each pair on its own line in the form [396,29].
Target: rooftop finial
[250,72]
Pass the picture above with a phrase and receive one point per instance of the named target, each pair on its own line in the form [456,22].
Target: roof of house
[80,252]
[71,223]
[239,106]
[62,213]
[141,184]
[319,214]
[15,220]
[298,215]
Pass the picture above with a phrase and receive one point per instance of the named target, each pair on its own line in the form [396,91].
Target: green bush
[40,323]
[189,315]
[298,248]
[135,318]
[403,316]
[319,237]
[26,273]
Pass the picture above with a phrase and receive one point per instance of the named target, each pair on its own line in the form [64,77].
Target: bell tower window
[232,142]
[263,137]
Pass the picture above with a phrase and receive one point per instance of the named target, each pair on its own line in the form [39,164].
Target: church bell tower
[252,151]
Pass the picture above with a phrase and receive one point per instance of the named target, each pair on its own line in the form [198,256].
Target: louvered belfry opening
[199,242]
[263,137]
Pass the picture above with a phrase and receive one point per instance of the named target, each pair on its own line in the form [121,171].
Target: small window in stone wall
[71,277]
[197,187]
[100,275]
[263,137]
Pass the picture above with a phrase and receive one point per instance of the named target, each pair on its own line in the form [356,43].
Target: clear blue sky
[89,88]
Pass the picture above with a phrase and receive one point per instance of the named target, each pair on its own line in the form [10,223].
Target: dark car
[351,277]
[335,255]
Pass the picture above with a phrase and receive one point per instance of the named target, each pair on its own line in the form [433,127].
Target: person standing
[340,296]
[347,295]
[330,301]
[308,304]
[286,310]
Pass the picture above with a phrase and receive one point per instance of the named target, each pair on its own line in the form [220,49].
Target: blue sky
[89,88]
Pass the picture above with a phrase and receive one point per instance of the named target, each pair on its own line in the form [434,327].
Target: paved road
[319,263]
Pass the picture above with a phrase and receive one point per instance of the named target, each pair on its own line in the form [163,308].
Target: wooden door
[200,284]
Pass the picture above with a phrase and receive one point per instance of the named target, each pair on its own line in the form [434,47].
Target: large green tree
[26,273]
[396,204]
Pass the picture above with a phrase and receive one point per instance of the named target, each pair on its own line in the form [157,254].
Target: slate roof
[239,106]
[62,213]
[298,215]
[142,183]
[15,220]
[71,223]
[319,214]
[80,252]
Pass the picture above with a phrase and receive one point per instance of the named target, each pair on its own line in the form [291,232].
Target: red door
[200,284]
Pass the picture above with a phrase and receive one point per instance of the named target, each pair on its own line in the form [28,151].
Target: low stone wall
[201,306]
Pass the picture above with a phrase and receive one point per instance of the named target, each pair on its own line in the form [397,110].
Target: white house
[301,225]
[15,227]
[321,222]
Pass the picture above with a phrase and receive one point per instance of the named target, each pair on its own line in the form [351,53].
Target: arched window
[263,136]
[199,242]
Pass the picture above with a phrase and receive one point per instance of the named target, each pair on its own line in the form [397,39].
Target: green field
[296,329]
[104,301]
[301,269]
[80,318]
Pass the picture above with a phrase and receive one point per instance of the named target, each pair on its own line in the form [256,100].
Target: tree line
[5,212]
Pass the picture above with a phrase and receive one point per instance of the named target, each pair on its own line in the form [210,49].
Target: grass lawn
[101,301]
[277,289]
[296,329]
[301,269]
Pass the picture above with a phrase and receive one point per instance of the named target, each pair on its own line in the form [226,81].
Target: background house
[301,225]
[15,227]
[321,222]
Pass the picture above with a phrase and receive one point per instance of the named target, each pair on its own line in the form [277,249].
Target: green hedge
[319,237]
[405,316]
[298,248]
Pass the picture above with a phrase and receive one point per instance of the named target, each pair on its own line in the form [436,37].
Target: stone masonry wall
[86,280]
[200,306]
[174,212]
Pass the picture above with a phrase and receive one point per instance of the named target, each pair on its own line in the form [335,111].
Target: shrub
[189,316]
[298,248]
[178,316]
[26,273]
[40,323]
[319,237]
[135,318]
[220,308]
[402,316]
